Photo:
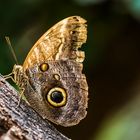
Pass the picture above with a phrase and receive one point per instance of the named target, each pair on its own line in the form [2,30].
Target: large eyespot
[44,67]
[57,97]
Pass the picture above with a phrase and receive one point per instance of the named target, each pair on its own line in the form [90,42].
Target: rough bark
[22,122]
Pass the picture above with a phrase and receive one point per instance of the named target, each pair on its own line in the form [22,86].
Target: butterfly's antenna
[11,48]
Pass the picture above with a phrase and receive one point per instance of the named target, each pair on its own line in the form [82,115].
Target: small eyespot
[44,67]
[56,76]
[57,97]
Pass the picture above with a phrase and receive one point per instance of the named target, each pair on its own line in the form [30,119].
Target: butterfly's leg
[9,76]
[20,96]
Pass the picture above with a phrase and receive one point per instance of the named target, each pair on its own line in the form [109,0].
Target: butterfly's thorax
[19,76]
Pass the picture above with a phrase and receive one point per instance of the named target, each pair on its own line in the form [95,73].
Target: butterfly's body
[53,68]
[20,77]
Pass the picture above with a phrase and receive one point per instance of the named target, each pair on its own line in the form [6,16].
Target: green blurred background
[112,63]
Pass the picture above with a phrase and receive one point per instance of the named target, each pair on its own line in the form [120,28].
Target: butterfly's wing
[60,42]
[58,47]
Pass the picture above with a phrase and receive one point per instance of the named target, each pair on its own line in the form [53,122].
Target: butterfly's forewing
[59,42]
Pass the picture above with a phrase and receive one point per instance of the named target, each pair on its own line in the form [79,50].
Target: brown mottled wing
[59,42]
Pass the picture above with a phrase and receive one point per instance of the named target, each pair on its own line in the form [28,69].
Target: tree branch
[22,122]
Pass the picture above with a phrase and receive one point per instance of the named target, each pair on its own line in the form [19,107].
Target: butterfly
[51,76]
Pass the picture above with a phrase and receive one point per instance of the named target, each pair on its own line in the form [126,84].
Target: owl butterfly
[51,75]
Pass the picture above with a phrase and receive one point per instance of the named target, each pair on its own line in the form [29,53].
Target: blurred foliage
[88,2]
[112,59]
[124,125]
[134,7]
